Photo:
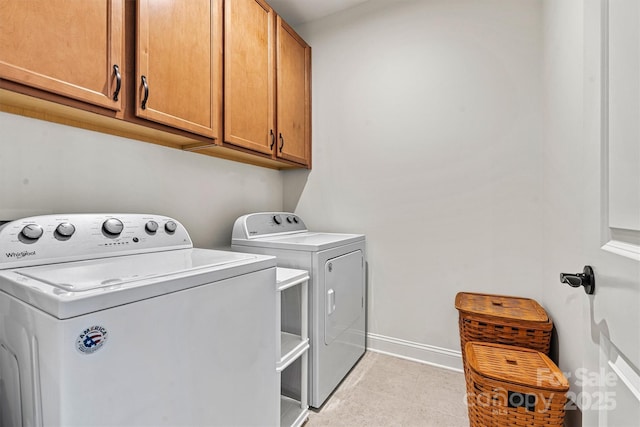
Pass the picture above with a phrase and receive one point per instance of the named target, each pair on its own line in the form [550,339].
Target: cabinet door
[293,96]
[249,75]
[68,48]
[178,64]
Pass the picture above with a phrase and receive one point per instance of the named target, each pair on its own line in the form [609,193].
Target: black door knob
[586,279]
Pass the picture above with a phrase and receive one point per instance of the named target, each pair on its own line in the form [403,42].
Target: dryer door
[344,292]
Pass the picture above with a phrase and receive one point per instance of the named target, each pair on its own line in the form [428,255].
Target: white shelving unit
[292,347]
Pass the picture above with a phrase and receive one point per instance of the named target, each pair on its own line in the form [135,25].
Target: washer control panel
[47,239]
[267,223]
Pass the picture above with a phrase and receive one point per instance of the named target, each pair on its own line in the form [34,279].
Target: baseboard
[417,352]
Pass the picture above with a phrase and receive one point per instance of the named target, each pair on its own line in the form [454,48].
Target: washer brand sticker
[91,339]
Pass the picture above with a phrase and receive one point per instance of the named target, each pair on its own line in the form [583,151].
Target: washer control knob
[32,232]
[277,219]
[289,220]
[65,229]
[170,227]
[112,226]
[295,219]
[151,226]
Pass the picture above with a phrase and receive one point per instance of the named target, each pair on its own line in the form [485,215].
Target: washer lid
[74,288]
[305,241]
[108,273]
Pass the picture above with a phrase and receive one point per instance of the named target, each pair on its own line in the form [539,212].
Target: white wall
[427,138]
[49,168]
[563,69]
[563,188]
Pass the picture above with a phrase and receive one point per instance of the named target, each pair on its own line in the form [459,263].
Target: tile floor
[387,391]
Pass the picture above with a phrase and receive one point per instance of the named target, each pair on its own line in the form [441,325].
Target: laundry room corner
[312,213]
[293,185]
[427,139]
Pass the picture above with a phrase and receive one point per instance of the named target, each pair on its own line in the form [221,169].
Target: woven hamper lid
[502,306]
[515,365]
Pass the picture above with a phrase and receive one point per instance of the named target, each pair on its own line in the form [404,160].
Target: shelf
[292,414]
[288,277]
[292,346]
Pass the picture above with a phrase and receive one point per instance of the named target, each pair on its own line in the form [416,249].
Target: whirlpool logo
[19,255]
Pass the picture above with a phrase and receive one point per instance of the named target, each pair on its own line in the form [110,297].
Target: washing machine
[117,320]
[336,264]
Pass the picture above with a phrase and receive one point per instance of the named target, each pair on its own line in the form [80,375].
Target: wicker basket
[513,386]
[503,320]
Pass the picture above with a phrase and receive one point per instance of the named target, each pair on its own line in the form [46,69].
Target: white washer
[117,320]
[336,264]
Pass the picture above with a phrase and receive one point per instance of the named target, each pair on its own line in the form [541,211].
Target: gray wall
[563,190]
[427,126]
[49,168]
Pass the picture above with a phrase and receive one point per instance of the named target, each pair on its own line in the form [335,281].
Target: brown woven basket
[513,386]
[503,320]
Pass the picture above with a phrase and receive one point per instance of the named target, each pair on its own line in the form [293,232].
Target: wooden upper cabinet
[293,95]
[249,75]
[267,89]
[71,49]
[150,68]
[179,64]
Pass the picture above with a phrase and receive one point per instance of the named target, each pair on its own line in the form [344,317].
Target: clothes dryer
[336,264]
[117,320]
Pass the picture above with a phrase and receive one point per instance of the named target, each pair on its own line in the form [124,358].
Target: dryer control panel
[266,224]
[47,239]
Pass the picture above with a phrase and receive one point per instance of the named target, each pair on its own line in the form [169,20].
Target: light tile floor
[388,391]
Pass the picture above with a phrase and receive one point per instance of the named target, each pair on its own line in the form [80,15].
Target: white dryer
[336,264]
[117,320]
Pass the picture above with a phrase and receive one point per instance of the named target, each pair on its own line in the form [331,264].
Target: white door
[611,169]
